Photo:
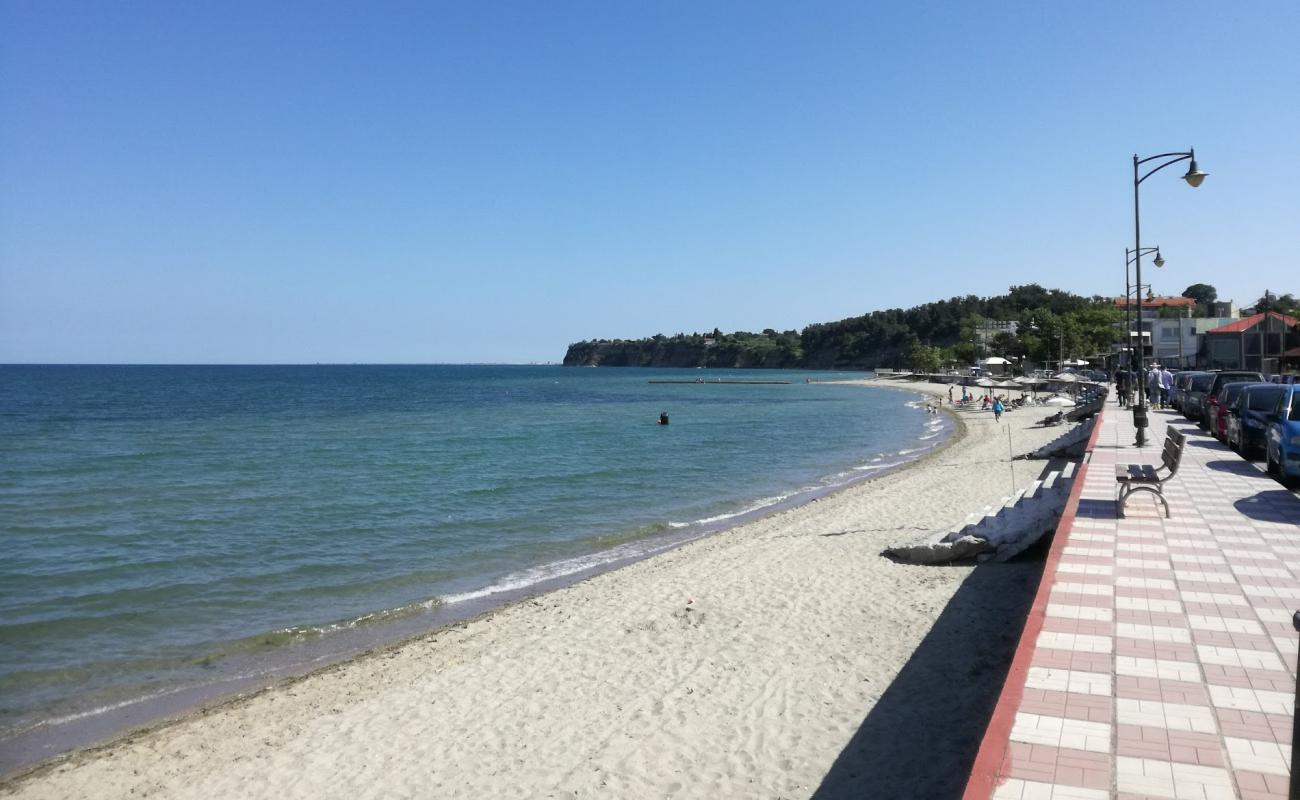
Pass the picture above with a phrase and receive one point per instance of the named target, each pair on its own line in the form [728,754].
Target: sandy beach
[781,658]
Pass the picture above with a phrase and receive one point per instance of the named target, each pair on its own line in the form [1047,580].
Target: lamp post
[1129,258]
[1194,177]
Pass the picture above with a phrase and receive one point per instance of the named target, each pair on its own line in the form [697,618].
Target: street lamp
[1194,177]
[1129,258]
[1033,326]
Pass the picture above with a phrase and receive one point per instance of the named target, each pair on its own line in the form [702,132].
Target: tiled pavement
[1160,658]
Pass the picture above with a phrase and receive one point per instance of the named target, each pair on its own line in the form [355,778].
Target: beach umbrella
[1009,385]
[1066,377]
[1058,400]
[987,383]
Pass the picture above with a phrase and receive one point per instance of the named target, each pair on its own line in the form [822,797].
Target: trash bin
[1140,417]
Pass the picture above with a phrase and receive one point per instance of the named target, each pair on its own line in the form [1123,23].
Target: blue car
[1283,437]
[1248,417]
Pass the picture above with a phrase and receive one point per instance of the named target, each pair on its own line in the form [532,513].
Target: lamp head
[1195,176]
[1160,260]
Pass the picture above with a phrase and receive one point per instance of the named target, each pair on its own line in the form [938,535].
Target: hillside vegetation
[1051,322]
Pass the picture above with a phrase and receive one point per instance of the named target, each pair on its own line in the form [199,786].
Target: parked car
[1194,396]
[1282,451]
[1209,408]
[1248,417]
[1181,379]
[1284,379]
[1227,396]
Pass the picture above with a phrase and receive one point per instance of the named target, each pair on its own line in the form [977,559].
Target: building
[1172,342]
[1241,343]
[1151,305]
[1166,340]
[1224,308]
[990,328]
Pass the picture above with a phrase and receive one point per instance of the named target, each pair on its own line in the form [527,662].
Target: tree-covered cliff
[1050,321]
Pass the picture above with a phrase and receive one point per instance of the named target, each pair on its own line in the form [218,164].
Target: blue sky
[489,181]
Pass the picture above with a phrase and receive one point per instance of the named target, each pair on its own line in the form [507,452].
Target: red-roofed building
[1239,344]
[1150,305]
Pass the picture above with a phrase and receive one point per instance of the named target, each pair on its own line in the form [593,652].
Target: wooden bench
[1148,477]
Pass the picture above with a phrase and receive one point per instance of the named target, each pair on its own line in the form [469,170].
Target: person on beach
[998,408]
[950,394]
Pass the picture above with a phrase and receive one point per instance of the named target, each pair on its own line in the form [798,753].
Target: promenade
[1159,659]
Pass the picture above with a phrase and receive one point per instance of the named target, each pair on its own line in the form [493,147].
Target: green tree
[1283,304]
[1203,293]
[922,357]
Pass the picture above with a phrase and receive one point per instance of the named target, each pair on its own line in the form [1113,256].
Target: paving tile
[1169,779]
[1061,732]
[1165,665]
[1064,680]
[1017,789]
[1094,613]
[1156,714]
[1257,756]
[1246,699]
[1237,657]
[1147,604]
[1075,641]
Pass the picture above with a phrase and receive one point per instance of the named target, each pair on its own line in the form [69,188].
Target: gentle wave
[524,579]
[104,709]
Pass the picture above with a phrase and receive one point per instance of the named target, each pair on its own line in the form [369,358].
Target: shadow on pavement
[1236,466]
[1096,509]
[921,737]
[1271,505]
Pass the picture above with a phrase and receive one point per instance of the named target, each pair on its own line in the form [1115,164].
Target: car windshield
[1262,400]
[1238,377]
[1230,392]
[1201,382]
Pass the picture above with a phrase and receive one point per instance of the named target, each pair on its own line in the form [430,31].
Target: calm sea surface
[165,527]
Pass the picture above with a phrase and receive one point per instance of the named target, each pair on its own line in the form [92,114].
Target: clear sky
[489,181]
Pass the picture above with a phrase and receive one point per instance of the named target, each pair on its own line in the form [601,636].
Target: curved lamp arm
[1194,175]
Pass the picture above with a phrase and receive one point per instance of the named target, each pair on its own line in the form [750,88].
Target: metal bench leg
[1155,490]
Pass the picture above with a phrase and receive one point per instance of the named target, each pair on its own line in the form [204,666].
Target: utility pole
[1263,327]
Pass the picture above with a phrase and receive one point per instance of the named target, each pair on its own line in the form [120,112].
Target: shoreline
[85,731]
[518,611]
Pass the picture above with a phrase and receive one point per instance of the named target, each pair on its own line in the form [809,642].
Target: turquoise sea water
[164,527]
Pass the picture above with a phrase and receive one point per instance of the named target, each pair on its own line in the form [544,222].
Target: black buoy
[663,418]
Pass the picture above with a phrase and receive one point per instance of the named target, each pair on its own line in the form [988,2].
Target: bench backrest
[1173,452]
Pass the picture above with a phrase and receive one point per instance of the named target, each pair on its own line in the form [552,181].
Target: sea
[170,534]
